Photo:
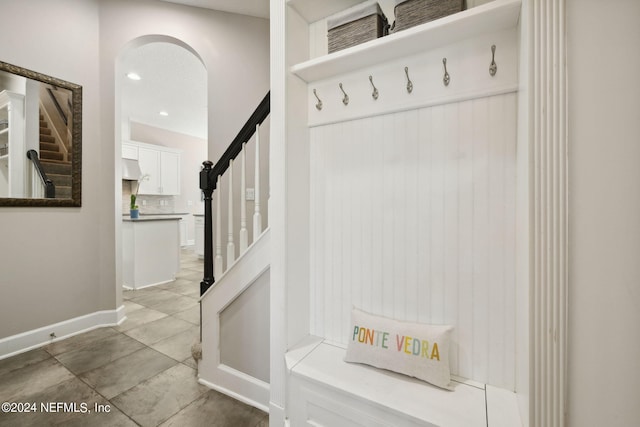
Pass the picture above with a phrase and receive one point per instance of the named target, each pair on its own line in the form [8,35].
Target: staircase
[235,306]
[55,162]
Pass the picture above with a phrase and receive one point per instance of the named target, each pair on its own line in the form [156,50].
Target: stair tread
[47,146]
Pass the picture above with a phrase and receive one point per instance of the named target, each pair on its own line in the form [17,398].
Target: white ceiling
[173,79]
[258,8]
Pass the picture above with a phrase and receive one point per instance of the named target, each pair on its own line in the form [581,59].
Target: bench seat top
[405,396]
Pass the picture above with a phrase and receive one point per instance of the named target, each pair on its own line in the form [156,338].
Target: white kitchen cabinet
[169,173]
[129,151]
[149,160]
[183,230]
[150,251]
[199,230]
[160,167]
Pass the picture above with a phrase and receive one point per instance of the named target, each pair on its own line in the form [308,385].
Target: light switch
[251,194]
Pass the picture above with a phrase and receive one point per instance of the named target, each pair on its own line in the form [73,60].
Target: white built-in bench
[324,390]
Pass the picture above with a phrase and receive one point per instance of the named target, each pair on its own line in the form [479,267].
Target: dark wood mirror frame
[76,145]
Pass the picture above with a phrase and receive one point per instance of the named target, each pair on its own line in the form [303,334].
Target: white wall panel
[412,217]
[467,64]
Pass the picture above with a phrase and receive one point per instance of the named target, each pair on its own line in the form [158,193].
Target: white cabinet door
[149,160]
[199,230]
[161,167]
[169,173]
[183,230]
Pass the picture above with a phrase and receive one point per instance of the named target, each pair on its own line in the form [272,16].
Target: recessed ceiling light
[133,76]
[164,113]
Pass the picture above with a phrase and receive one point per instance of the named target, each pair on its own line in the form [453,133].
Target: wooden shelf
[490,17]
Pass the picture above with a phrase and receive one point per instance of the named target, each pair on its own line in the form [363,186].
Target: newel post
[207,185]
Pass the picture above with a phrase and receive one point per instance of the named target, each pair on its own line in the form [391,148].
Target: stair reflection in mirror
[56,162]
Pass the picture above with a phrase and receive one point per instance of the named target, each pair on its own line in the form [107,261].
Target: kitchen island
[150,250]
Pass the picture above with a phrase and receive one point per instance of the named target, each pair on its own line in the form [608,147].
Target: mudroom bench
[326,391]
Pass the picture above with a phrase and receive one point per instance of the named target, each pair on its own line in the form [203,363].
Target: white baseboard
[276,416]
[237,396]
[129,288]
[20,343]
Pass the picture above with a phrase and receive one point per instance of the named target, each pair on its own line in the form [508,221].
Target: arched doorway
[160,100]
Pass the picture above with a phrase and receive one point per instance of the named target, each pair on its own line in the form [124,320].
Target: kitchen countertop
[153,218]
[160,214]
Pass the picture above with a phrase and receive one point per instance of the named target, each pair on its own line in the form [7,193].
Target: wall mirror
[40,139]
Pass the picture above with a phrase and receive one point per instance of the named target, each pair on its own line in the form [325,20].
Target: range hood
[131,170]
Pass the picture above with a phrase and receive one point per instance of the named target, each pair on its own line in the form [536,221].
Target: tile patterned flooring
[142,370]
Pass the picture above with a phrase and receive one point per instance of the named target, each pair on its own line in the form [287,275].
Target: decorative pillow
[414,349]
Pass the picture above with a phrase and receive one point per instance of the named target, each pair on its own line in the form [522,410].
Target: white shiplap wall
[413,217]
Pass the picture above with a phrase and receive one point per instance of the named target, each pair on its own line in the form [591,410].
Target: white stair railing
[244,234]
[228,274]
[257,217]
[231,247]
[233,235]
[217,262]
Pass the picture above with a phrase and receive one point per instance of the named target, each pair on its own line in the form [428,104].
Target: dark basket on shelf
[409,13]
[344,32]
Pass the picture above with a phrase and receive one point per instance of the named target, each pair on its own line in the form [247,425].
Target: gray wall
[604,205]
[244,331]
[61,263]
[233,48]
[57,263]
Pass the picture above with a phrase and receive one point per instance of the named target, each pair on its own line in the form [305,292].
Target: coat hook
[319,104]
[375,90]
[493,68]
[409,82]
[345,100]
[446,79]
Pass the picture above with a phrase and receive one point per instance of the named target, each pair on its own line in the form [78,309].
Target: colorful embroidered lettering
[370,336]
[417,347]
[384,339]
[405,344]
[435,354]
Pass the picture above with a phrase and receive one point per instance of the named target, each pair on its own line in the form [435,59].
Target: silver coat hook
[446,79]
[319,104]
[345,100]
[375,93]
[409,82]
[493,68]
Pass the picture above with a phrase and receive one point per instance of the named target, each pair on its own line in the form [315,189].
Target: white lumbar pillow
[415,349]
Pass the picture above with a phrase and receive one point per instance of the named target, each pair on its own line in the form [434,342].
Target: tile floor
[141,371]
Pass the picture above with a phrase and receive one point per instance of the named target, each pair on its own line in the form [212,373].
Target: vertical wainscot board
[413,217]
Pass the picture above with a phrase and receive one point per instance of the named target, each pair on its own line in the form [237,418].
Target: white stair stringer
[211,371]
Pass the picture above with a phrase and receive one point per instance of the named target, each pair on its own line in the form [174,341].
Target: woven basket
[357,25]
[409,13]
